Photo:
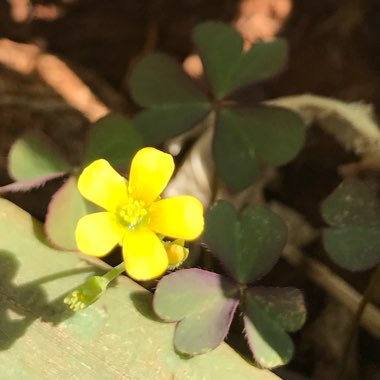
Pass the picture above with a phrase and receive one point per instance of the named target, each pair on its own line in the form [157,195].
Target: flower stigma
[132,214]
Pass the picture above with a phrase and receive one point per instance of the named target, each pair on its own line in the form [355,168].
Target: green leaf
[65,209]
[353,211]
[204,304]
[234,154]
[285,306]
[248,246]
[161,123]
[277,134]
[220,48]
[353,247]
[244,136]
[175,104]
[227,66]
[269,313]
[33,156]
[262,61]
[37,325]
[157,80]
[113,138]
[353,203]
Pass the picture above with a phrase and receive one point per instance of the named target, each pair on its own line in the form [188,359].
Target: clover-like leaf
[353,212]
[158,80]
[160,123]
[227,66]
[113,138]
[65,209]
[352,247]
[269,313]
[353,203]
[246,136]
[202,302]
[249,245]
[33,156]
[175,104]
[234,154]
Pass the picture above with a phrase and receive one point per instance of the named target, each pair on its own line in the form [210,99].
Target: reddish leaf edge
[222,339]
[30,184]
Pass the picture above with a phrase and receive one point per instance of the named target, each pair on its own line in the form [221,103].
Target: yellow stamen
[132,214]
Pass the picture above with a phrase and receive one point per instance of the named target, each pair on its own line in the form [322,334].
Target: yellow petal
[97,234]
[177,217]
[101,184]
[151,171]
[144,255]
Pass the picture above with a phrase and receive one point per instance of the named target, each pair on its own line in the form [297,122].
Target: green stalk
[114,272]
[367,295]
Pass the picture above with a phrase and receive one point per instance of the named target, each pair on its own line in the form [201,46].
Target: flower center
[132,214]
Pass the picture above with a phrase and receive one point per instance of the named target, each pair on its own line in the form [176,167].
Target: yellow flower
[135,214]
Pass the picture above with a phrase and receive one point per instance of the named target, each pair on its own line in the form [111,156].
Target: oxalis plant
[99,207]
[352,239]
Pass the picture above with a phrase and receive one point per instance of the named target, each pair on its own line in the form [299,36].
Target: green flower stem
[114,272]
[367,295]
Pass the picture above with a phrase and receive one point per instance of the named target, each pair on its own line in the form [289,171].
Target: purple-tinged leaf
[249,245]
[32,156]
[30,184]
[65,209]
[202,302]
[268,315]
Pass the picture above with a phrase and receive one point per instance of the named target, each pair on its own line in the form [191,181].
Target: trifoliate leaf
[227,66]
[248,245]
